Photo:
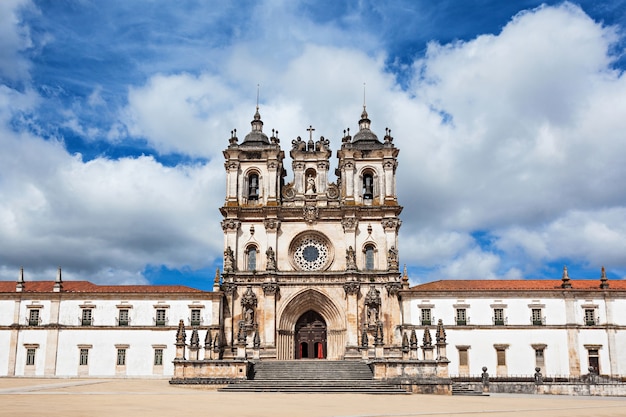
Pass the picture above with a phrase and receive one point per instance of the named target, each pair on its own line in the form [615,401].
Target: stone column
[52,339]
[352,290]
[572,335]
[270,290]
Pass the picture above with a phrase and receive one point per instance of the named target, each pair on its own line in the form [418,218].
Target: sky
[509,117]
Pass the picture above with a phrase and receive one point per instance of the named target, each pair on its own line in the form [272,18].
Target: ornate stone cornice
[393,288]
[349,224]
[352,288]
[391,223]
[229,288]
[230,224]
[270,288]
[272,224]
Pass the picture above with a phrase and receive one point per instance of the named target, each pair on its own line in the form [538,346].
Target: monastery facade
[311,271]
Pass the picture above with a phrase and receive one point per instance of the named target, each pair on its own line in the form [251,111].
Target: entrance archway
[310,336]
[294,309]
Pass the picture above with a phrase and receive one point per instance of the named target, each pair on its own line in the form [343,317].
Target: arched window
[253,187]
[251,254]
[368,186]
[369,257]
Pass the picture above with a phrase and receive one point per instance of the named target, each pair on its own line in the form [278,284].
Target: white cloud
[14,38]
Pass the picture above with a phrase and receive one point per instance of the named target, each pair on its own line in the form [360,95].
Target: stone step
[313,376]
[462,389]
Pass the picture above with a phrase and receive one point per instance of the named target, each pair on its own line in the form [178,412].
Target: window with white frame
[33,317]
[30,356]
[158,356]
[196,317]
[161,317]
[590,317]
[426,317]
[537,317]
[123,317]
[498,317]
[461,316]
[83,357]
[87,317]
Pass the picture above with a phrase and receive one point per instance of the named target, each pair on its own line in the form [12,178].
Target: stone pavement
[156,398]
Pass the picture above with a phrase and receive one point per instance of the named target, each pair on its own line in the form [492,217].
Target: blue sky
[508,115]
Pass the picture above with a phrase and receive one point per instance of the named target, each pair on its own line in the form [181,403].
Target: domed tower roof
[256,136]
[365,135]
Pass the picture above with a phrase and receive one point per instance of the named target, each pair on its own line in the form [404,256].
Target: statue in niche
[271,259]
[249,315]
[310,185]
[229,260]
[392,259]
[350,259]
[372,314]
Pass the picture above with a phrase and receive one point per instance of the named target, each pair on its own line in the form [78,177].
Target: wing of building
[311,272]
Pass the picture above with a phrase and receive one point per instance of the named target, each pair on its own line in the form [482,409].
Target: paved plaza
[156,398]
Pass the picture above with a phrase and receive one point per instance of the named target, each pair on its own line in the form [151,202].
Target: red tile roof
[86,286]
[516,285]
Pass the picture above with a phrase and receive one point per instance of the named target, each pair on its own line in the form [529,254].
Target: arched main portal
[310,336]
[294,312]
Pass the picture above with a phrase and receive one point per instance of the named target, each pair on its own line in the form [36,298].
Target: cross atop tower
[310,130]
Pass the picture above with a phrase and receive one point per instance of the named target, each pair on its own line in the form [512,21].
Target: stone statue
[271,259]
[249,315]
[310,185]
[372,314]
[392,259]
[350,259]
[229,260]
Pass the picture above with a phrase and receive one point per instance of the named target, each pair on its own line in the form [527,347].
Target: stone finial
[195,339]
[604,281]
[378,340]
[565,281]
[441,333]
[58,282]
[216,343]
[364,337]
[19,287]
[216,280]
[405,342]
[405,278]
[208,340]
[413,340]
[256,340]
[181,336]
[427,340]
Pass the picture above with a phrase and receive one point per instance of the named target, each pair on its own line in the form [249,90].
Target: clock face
[311,252]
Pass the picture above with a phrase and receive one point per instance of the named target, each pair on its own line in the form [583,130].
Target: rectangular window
[160,317]
[196,317]
[426,317]
[536,318]
[463,357]
[461,317]
[590,316]
[501,357]
[33,318]
[84,357]
[87,318]
[158,357]
[498,316]
[121,357]
[122,319]
[30,356]
[594,361]
[539,359]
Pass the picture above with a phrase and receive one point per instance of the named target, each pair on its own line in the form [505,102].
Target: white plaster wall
[520,356]
[103,354]
[31,337]
[620,351]
[5,346]
[44,312]
[7,308]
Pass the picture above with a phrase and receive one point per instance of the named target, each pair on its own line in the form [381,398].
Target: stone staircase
[464,389]
[313,376]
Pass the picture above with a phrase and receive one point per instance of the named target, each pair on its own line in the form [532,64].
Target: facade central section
[311,252]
